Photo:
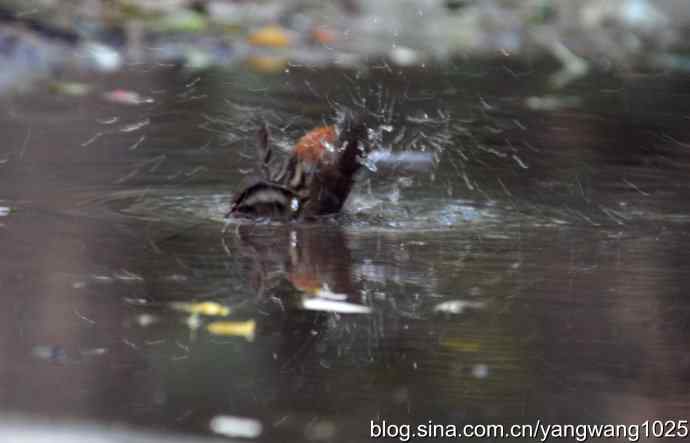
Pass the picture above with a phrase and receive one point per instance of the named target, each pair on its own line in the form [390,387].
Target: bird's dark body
[313,181]
[263,199]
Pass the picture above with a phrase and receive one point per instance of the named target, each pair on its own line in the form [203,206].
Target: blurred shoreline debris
[265,35]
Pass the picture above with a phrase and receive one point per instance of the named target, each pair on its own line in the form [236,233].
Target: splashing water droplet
[394,195]
[369,163]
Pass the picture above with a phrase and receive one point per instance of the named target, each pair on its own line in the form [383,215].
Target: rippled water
[539,270]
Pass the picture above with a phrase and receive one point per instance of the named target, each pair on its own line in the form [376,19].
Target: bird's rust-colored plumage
[312,145]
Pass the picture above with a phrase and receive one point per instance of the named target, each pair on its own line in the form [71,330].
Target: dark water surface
[541,270]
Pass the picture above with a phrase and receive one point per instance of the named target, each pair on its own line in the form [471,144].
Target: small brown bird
[314,180]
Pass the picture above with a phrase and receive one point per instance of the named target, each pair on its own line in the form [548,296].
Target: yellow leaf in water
[70,88]
[462,344]
[244,329]
[208,308]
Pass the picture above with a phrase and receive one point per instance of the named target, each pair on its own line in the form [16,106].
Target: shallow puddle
[538,270]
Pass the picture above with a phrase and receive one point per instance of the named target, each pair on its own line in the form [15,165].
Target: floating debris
[403,56]
[232,426]
[405,159]
[182,20]
[457,306]
[327,305]
[136,301]
[325,292]
[102,57]
[5,211]
[207,308]
[462,344]
[196,59]
[54,353]
[323,35]
[94,352]
[480,371]
[193,322]
[129,344]
[245,329]
[272,36]
[124,97]
[552,102]
[73,89]
[145,320]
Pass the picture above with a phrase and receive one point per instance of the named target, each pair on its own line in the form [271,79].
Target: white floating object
[403,56]
[325,292]
[145,320]
[552,102]
[480,371]
[457,306]
[103,57]
[407,159]
[236,426]
[340,307]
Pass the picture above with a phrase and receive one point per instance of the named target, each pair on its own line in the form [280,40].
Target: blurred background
[103,35]
[536,267]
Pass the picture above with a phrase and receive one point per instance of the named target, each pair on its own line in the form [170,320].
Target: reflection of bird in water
[315,259]
[314,180]
[306,270]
